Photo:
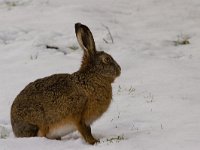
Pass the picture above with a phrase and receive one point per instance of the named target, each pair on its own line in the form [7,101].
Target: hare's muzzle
[118,70]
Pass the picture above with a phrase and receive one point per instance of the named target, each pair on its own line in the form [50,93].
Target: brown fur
[60,100]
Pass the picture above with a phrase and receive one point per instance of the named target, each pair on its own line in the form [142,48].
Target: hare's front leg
[86,133]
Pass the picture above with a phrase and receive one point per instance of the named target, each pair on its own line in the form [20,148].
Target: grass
[73,47]
[130,90]
[182,40]
[4,133]
[115,139]
[11,4]
[149,97]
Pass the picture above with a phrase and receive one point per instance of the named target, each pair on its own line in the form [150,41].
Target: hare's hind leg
[86,133]
[24,129]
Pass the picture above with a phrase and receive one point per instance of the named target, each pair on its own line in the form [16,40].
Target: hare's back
[46,90]
[54,84]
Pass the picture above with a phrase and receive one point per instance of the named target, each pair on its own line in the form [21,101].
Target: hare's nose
[118,71]
[118,67]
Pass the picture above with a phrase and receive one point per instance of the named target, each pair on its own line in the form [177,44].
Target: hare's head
[95,61]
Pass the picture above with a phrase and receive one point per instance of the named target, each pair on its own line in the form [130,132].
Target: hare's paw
[93,141]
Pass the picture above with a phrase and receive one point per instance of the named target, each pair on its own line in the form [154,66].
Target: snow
[155,100]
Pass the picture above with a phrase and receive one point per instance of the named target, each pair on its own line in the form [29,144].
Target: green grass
[182,40]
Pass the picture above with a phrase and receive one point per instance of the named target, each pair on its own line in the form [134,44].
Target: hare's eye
[106,60]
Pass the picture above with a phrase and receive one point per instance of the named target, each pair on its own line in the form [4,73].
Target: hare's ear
[85,40]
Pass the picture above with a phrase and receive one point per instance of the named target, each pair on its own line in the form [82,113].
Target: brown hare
[59,104]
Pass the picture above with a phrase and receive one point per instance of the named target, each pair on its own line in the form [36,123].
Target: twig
[51,47]
[110,35]
[56,48]
[161,126]
[105,41]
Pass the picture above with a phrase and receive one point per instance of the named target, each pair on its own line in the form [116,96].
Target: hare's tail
[24,129]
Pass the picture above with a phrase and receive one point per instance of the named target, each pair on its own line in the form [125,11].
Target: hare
[56,105]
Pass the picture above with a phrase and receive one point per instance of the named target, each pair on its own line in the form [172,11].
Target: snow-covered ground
[156,100]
